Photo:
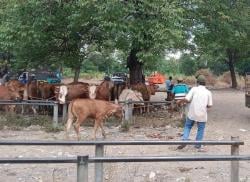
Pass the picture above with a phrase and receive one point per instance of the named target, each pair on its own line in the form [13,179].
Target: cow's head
[63,91]
[15,95]
[118,111]
[92,91]
[152,88]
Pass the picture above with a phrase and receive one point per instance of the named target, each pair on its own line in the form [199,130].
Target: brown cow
[103,91]
[141,87]
[15,85]
[46,90]
[146,91]
[8,94]
[72,91]
[99,110]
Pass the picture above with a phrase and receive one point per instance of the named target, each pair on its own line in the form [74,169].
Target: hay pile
[210,78]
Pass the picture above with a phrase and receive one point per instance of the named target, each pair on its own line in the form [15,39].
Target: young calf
[99,110]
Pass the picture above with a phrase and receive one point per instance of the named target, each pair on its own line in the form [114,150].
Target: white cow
[133,95]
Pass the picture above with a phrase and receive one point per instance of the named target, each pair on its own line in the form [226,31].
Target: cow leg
[77,125]
[95,128]
[148,105]
[34,109]
[68,126]
[98,123]
[10,108]
[77,129]
[103,132]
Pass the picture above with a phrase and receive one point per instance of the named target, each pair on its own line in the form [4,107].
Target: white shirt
[200,98]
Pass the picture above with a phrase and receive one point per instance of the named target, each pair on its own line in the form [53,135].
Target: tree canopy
[132,34]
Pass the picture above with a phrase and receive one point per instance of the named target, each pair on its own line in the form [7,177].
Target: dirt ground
[228,117]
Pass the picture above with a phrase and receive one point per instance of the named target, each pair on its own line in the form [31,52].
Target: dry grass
[190,80]
[225,81]
[18,122]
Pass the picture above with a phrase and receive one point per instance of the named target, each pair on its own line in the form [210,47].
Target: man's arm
[187,99]
[182,101]
[210,100]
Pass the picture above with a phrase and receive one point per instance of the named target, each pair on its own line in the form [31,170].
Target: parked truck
[45,76]
[247,89]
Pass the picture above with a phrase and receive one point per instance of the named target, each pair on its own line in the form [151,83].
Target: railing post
[99,152]
[82,168]
[55,114]
[128,110]
[64,112]
[235,164]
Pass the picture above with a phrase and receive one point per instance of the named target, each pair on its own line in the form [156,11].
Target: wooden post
[55,115]
[99,152]
[82,168]
[235,164]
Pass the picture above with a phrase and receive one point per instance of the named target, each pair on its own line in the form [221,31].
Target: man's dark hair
[202,83]
[201,80]
[170,78]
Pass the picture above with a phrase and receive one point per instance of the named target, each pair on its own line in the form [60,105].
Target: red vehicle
[156,78]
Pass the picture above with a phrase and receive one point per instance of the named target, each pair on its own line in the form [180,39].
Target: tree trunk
[231,60]
[135,68]
[77,73]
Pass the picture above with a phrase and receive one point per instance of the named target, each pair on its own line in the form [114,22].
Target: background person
[169,87]
[200,99]
[180,90]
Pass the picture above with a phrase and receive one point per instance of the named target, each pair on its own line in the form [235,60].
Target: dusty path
[227,118]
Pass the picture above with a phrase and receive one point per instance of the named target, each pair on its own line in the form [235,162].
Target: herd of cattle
[94,99]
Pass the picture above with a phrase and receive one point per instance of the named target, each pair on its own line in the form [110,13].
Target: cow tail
[70,111]
[70,117]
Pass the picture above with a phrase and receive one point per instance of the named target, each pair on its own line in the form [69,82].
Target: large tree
[222,29]
[41,33]
[143,29]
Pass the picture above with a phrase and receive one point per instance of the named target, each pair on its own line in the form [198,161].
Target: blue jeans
[200,130]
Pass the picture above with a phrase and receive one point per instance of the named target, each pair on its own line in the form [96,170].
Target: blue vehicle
[45,76]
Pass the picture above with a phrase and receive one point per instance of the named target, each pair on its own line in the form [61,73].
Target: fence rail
[83,161]
[124,142]
[55,104]
[73,160]
[99,159]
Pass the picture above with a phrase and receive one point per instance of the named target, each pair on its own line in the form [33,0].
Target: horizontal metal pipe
[55,102]
[37,160]
[128,159]
[38,104]
[131,102]
[138,142]
[28,101]
[168,158]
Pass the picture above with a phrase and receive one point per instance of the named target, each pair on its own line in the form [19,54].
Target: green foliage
[188,65]
[221,29]
[243,66]
[99,36]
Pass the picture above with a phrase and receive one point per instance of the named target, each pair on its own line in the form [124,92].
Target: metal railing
[128,107]
[99,159]
[39,103]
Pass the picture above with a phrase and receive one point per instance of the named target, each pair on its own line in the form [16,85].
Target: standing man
[200,99]
[180,89]
[179,92]
[169,87]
